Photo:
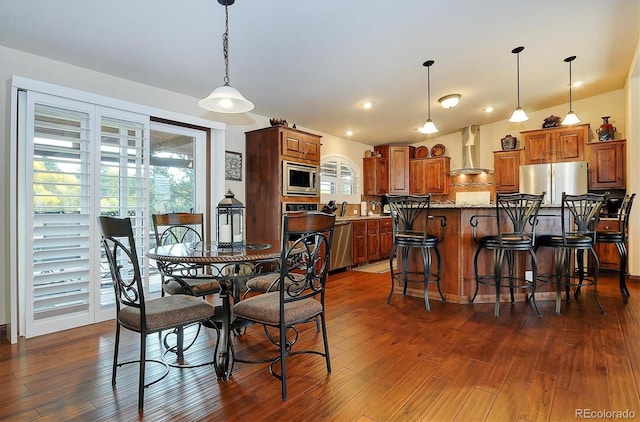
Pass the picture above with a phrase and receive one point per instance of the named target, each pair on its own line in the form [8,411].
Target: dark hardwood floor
[390,362]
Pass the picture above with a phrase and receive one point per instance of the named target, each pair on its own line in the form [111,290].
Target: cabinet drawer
[385,223]
[359,226]
[373,224]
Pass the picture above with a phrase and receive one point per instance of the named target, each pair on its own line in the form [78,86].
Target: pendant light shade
[429,126]
[225,98]
[570,118]
[518,114]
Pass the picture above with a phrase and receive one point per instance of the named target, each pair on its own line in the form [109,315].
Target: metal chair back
[580,215]
[520,210]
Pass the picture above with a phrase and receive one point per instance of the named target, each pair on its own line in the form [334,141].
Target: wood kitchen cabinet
[607,252]
[430,175]
[298,144]
[359,242]
[375,179]
[607,165]
[398,157]
[373,240]
[386,237]
[555,145]
[265,149]
[506,166]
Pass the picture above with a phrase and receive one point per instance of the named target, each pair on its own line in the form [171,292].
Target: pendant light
[429,126]
[570,118]
[226,99]
[518,114]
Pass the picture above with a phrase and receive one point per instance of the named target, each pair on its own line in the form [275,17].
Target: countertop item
[421,152]
[438,150]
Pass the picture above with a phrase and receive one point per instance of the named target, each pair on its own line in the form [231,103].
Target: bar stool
[580,215]
[409,215]
[619,238]
[516,220]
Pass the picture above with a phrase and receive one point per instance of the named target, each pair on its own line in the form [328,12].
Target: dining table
[230,266]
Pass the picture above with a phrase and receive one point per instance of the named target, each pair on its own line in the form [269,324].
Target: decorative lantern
[230,222]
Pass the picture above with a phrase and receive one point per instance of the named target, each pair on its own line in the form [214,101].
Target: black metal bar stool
[619,237]
[410,215]
[516,219]
[580,215]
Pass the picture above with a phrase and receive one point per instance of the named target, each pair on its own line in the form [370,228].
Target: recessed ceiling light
[577,83]
[449,101]
[488,109]
[349,132]
[367,105]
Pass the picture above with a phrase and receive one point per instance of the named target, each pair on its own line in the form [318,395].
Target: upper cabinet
[375,180]
[506,165]
[607,165]
[398,158]
[430,175]
[299,144]
[554,145]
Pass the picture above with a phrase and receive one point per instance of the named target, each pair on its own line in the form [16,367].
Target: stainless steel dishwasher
[341,246]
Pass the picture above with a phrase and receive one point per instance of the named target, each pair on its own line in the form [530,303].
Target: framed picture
[232,165]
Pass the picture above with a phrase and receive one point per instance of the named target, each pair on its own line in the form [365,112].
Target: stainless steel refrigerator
[555,178]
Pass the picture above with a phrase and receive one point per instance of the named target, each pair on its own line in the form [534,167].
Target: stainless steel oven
[300,179]
[299,206]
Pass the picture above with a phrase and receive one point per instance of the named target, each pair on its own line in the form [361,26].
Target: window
[339,180]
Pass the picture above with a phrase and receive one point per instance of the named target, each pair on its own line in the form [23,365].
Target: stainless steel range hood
[470,152]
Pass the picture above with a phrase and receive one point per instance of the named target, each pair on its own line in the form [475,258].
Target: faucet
[343,209]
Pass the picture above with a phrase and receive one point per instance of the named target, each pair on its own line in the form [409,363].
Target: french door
[79,161]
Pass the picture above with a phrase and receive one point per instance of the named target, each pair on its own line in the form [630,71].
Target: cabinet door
[373,240]
[435,175]
[375,177]
[568,145]
[311,148]
[538,147]
[417,177]
[606,165]
[607,252]
[386,237]
[506,165]
[359,243]
[399,170]
[292,143]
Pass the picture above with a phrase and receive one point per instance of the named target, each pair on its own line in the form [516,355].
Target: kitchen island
[458,248]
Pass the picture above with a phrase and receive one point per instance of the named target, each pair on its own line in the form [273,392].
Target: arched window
[339,180]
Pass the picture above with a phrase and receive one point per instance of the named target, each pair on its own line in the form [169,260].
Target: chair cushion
[572,241]
[265,309]
[167,312]
[200,286]
[611,237]
[415,239]
[265,283]
[507,241]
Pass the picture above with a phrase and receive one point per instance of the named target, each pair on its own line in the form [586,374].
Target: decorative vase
[508,143]
[605,133]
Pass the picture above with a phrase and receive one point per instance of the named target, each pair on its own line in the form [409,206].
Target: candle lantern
[230,222]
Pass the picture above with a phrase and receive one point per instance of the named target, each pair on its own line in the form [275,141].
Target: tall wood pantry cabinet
[555,145]
[265,149]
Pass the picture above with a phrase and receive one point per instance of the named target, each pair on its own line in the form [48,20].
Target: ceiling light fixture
[429,126]
[226,99]
[518,114]
[367,105]
[570,118]
[449,101]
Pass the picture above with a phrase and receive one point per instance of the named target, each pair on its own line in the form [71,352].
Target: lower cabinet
[371,240]
[607,252]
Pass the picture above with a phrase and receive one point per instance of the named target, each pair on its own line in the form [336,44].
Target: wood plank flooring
[390,363]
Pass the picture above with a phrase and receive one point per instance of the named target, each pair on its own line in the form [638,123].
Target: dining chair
[133,311]
[579,217]
[516,218]
[186,279]
[300,296]
[410,215]
[619,236]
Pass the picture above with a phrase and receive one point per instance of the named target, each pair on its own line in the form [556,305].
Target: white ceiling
[313,62]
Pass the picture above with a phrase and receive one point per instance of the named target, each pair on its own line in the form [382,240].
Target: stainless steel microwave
[300,179]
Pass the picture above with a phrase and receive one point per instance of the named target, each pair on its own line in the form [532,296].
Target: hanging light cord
[570,86]
[429,92]
[225,45]
[518,76]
